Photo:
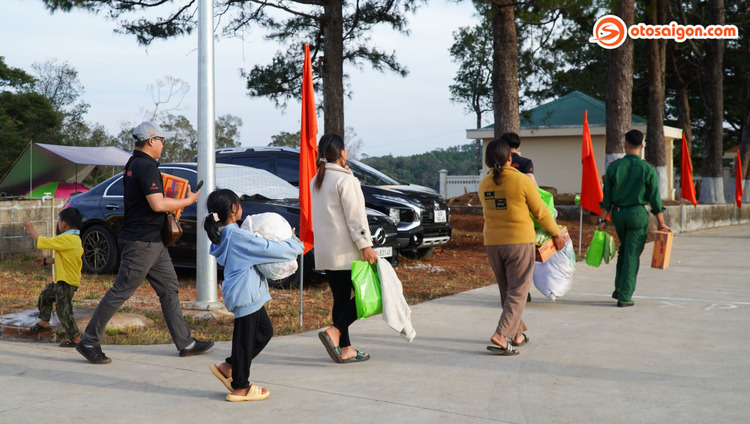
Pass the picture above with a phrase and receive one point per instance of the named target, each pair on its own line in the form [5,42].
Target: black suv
[420,213]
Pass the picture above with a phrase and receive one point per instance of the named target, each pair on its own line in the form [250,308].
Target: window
[186,173]
[370,176]
[115,189]
[288,169]
[248,181]
[260,162]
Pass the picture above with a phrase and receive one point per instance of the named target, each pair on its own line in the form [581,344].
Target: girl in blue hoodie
[244,289]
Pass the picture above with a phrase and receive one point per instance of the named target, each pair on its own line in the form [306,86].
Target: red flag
[308,153]
[688,187]
[738,181]
[591,184]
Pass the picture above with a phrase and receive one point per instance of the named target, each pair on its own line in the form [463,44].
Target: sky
[390,114]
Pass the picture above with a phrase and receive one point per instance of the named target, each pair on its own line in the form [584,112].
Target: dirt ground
[455,267]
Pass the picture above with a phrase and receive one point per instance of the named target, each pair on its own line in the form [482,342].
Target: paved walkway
[681,354]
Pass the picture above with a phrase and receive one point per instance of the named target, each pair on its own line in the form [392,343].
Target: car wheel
[418,254]
[100,252]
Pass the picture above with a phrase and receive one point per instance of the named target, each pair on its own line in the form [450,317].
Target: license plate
[384,252]
[440,216]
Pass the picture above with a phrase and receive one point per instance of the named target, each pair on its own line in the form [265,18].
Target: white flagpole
[301,280]
[580,233]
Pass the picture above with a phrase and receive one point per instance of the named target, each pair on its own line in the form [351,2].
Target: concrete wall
[458,185]
[688,218]
[681,218]
[557,161]
[13,236]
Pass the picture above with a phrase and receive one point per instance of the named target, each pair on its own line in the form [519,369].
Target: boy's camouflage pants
[60,295]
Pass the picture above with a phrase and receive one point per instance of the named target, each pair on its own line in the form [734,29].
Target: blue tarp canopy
[43,163]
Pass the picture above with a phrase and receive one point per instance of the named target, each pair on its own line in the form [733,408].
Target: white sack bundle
[271,226]
[555,276]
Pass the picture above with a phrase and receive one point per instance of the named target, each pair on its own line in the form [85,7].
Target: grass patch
[456,267]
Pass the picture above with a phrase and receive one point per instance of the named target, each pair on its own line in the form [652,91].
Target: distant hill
[423,169]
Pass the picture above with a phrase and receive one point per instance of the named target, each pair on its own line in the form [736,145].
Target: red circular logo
[609,32]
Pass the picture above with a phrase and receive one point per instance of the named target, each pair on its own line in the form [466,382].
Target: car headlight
[395,215]
[406,211]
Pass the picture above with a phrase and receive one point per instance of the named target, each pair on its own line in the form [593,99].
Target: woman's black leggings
[344,311]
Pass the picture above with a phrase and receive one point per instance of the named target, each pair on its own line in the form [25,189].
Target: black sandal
[525,340]
[509,350]
[68,343]
[38,329]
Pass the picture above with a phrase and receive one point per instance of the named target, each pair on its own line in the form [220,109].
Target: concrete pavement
[679,355]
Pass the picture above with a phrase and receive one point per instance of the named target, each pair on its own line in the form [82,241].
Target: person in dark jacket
[524,165]
[144,256]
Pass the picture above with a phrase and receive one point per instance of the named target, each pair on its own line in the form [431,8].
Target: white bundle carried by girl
[271,226]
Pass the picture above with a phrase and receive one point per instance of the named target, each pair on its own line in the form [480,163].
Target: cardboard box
[546,250]
[174,187]
[662,250]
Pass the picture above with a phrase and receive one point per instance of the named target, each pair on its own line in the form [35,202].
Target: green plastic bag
[367,295]
[595,252]
[549,201]
[609,248]
[542,236]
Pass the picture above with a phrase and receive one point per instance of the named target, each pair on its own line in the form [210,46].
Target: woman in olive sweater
[507,198]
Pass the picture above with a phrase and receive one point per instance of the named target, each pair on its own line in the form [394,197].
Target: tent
[43,163]
[57,190]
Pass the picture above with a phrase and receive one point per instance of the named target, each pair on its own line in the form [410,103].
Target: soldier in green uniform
[629,184]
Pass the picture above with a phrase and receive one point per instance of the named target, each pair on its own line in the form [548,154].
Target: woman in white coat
[342,235]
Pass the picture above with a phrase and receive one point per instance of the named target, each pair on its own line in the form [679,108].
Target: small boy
[68,251]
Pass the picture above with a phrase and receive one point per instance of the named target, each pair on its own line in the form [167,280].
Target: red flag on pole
[591,184]
[688,187]
[308,152]
[738,181]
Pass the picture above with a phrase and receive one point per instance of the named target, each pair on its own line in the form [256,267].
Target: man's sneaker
[93,354]
[199,347]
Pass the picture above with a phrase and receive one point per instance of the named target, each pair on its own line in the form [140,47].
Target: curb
[11,332]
